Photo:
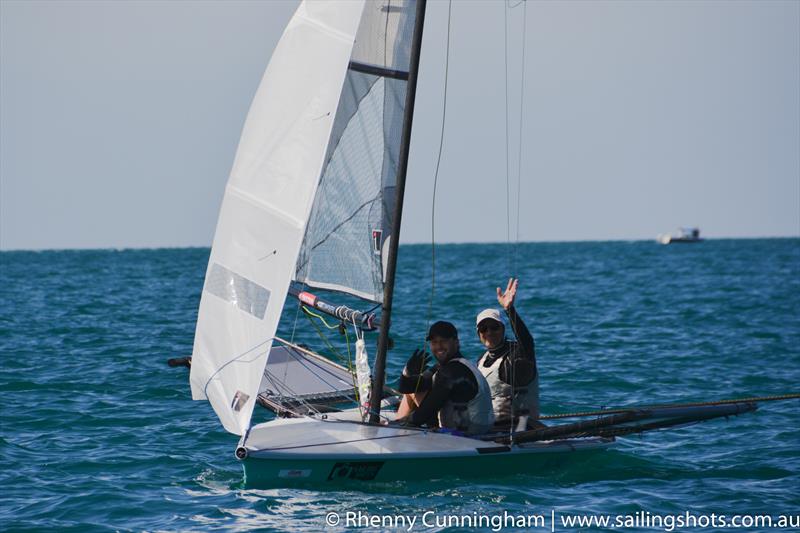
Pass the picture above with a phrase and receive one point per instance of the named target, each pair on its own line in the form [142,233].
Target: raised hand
[506,298]
[417,363]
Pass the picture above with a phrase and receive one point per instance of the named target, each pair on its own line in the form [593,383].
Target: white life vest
[526,397]
[474,416]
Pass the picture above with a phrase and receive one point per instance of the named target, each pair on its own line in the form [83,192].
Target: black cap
[442,329]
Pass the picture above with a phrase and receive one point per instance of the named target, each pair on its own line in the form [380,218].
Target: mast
[379,375]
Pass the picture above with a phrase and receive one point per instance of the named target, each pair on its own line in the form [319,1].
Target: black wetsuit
[449,382]
[519,364]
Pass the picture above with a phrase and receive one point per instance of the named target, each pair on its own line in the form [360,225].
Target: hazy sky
[119,120]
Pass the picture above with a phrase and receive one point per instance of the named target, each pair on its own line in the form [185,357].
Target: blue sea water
[98,434]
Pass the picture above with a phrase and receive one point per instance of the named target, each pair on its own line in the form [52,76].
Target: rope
[309,312]
[508,199]
[436,180]
[521,122]
[791,396]
[296,316]
[436,173]
[333,350]
[513,247]
[316,362]
[508,177]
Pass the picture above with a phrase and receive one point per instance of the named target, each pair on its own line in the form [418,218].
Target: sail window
[248,295]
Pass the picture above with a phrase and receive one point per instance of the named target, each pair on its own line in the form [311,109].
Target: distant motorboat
[682,235]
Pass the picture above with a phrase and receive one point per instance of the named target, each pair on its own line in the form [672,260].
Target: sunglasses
[491,326]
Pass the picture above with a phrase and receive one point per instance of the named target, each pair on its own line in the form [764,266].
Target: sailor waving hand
[509,366]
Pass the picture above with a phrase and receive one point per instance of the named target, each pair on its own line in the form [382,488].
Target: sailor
[509,366]
[452,395]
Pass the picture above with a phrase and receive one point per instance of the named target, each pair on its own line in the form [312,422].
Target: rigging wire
[521,122]
[296,316]
[283,385]
[508,199]
[508,177]
[438,162]
[388,10]
[308,313]
[335,352]
[513,248]
[513,255]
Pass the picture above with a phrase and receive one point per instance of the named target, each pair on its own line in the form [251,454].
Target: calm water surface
[98,434]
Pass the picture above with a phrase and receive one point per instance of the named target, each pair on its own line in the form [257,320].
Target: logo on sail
[239,399]
[376,241]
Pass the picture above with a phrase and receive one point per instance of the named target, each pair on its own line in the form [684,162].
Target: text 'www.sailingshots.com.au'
[559,521]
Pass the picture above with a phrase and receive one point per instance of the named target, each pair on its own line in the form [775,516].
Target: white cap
[494,314]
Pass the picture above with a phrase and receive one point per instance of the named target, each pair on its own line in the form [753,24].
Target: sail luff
[379,373]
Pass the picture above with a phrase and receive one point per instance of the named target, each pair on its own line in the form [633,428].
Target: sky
[119,121]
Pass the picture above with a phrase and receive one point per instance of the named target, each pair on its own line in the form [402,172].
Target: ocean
[99,434]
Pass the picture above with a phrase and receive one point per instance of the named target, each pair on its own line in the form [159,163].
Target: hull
[684,235]
[280,453]
[269,472]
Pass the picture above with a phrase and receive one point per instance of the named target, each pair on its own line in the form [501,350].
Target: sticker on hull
[294,474]
[362,470]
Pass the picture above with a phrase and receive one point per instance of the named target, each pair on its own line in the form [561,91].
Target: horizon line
[411,243]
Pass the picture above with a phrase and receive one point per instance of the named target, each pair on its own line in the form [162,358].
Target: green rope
[308,313]
[333,350]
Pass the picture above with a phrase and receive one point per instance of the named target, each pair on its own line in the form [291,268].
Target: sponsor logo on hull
[362,470]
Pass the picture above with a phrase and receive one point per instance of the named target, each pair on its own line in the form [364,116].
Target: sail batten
[340,289]
[265,204]
[376,70]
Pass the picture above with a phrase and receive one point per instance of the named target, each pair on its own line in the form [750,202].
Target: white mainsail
[266,206]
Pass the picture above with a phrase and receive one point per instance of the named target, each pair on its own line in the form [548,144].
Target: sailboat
[314,201]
